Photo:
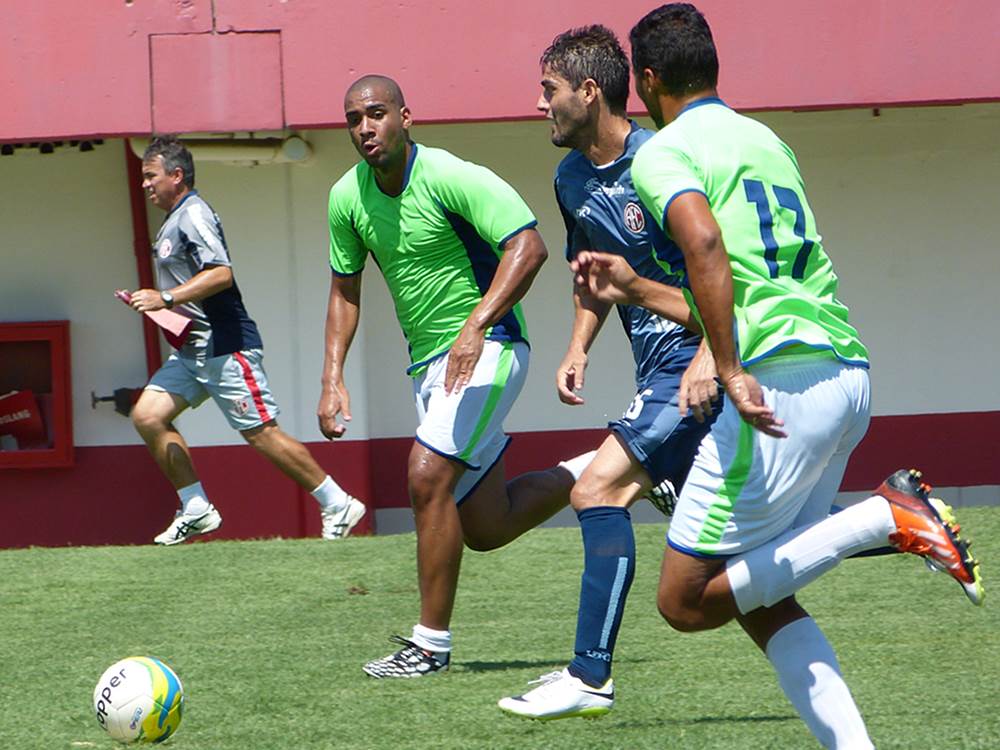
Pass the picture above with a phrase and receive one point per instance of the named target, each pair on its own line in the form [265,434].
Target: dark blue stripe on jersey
[484,263]
[701,103]
[530,225]
[344,275]
[232,328]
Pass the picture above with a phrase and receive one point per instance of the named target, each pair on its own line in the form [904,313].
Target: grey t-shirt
[190,240]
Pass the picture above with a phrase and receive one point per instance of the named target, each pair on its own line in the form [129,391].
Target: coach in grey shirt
[222,356]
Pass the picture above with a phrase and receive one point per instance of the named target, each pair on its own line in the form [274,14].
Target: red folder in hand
[175,326]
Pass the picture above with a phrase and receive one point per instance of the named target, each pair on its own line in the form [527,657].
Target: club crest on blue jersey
[164,248]
[634,219]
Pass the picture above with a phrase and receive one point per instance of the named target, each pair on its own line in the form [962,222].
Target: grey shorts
[236,382]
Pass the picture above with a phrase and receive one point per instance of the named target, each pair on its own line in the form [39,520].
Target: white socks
[808,672]
[193,500]
[575,466]
[329,495]
[776,570]
[438,641]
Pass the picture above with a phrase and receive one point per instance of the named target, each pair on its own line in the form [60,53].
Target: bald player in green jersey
[751,526]
[458,249]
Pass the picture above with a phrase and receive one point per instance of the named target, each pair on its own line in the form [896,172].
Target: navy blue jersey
[603,212]
[190,240]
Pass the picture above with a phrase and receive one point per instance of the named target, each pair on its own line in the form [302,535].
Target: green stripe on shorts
[732,485]
[504,365]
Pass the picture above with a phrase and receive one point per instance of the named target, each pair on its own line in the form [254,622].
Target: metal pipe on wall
[141,249]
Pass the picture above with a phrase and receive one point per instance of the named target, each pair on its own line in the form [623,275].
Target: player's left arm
[523,255]
[695,230]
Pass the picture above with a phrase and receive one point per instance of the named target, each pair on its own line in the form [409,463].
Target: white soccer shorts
[745,488]
[468,426]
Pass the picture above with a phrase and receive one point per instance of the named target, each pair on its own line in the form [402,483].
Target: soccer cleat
[926,526]
[663,497]
[409,661]
[338,523]
[186,526]
[561,696]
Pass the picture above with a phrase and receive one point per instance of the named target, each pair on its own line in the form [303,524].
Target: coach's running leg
[153,416]
[340,511]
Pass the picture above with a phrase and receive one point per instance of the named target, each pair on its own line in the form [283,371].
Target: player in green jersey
[751,527]
[458,250]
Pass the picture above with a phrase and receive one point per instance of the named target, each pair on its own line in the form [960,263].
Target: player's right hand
[609,278]
[746,395]
[569,377]
[334,400]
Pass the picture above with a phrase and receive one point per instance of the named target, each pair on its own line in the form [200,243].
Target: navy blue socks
[608,568]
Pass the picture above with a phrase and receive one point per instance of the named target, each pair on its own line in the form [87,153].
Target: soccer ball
[139,699]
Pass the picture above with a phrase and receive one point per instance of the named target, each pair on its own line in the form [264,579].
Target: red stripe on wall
[116,495]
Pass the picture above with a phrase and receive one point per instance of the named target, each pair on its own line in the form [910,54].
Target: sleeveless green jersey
[784,286]
[438,244]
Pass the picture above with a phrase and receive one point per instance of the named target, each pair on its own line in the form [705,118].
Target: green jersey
[438,244]
[784,286]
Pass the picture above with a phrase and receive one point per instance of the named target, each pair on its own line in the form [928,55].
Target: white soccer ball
[139,699]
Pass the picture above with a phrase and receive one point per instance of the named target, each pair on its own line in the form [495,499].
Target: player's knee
[586,493]
[262,437]
[146,421]
[425,489]
[679,615]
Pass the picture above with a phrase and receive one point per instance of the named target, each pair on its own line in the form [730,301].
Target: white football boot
[186,526]
[338,523]
[561,696]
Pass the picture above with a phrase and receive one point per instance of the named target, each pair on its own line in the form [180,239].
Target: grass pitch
[268,638]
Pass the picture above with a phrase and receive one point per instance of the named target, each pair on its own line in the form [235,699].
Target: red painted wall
[115,495]
[69,68]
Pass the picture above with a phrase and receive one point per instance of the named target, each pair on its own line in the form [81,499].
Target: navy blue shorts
[656,435]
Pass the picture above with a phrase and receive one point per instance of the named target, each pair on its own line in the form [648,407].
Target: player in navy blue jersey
[585,81]
[222,356]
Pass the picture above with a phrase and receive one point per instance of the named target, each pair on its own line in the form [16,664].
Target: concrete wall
[905,201]
[228,65]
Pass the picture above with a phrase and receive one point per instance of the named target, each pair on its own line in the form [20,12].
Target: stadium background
[890,109]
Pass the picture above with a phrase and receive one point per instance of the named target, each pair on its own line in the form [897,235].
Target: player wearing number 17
[751,528]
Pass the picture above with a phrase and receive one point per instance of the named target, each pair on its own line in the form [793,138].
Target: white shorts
[236,382]
[467,426]
[746,488]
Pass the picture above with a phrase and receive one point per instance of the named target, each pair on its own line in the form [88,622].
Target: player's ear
[407,118]
[590,91]
[649,80]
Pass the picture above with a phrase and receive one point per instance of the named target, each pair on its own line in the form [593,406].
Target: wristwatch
[168,299]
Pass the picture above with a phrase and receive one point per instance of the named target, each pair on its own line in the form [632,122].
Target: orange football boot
[926,526]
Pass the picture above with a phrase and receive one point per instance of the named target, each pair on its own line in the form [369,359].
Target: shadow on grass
[500,666]
[696,720]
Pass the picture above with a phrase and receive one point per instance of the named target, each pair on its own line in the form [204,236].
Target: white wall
[906,203]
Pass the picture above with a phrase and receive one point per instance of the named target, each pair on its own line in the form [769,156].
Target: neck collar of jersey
[406,173]
[701,102]
[627,151]
[187,195]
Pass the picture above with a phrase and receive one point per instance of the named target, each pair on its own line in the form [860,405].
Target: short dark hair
[675,42]
[591,52]
[174,154]
[373,79]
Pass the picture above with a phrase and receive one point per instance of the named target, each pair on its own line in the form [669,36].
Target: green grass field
[268,638]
